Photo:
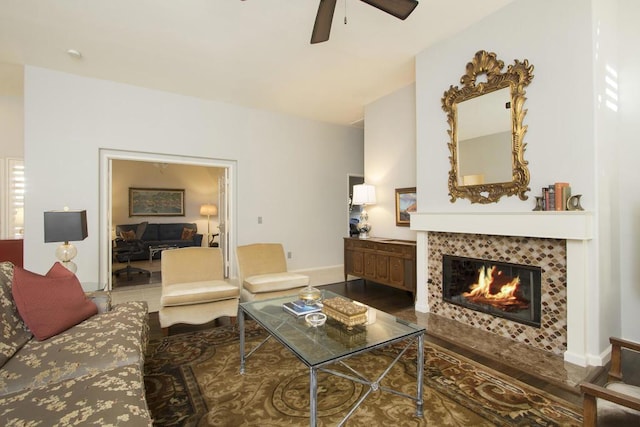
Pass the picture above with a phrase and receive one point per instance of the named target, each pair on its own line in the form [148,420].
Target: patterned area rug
[193,379]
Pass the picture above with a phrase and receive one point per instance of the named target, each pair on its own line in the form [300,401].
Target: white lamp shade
[208,210]
[364,194]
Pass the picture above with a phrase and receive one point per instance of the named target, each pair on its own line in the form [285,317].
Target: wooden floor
[400,303]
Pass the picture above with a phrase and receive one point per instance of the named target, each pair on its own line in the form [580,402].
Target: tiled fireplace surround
[548,254]
[555,241]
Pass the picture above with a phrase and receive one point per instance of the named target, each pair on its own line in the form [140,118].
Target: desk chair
[128,249]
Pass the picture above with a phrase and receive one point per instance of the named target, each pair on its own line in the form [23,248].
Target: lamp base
[71,266]
[65,253]
[363,226]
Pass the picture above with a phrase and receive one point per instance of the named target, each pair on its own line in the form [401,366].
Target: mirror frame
[517,77]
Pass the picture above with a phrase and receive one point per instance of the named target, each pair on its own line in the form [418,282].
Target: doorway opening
[200,181]
[353,211]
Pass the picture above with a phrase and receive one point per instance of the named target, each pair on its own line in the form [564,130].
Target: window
[13,214]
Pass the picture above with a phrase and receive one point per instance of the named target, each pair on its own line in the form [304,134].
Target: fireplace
[557,242]
[547,255]
[507,290]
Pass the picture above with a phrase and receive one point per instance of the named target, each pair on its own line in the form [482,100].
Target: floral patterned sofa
[89,374]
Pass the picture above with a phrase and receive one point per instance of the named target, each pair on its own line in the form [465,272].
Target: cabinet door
[357,263]
[370,265]
[396,275]
[382,268]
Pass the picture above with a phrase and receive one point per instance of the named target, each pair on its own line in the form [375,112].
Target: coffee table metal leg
[313,396]
[420,374]
[241,331]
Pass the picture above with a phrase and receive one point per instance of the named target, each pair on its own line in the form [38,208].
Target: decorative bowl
[344,311]
[315,319]
[310,295]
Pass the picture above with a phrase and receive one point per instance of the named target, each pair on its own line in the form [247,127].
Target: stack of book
[299,308]
[555,196]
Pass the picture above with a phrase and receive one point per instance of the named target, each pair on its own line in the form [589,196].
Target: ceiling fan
[322,27]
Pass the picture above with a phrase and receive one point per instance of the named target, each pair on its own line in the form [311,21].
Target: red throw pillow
[187,233]
[50,304]
[127,235]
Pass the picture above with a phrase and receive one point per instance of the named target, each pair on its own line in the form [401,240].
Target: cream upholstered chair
[193,287]
[617,403]
[263,273]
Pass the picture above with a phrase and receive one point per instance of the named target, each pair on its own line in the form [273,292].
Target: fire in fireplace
[511,291]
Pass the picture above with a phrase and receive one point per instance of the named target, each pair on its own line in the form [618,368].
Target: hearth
[506,290]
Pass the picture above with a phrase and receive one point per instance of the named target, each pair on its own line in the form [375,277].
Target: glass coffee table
[320,347]
[154,249]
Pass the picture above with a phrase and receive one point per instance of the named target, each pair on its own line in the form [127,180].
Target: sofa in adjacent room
[65,359]
[178,234]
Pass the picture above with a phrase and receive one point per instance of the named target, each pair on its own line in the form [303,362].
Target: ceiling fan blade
[322,26]
[398,8]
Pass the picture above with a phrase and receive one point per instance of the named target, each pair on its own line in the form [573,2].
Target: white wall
[11,132]
[628,196]
[607,285]
[559,99]
[11,110]
[390,135]
[290,171]
[569,138]
[11,129]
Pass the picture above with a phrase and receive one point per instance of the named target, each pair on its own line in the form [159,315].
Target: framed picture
[405,204]
[156,202]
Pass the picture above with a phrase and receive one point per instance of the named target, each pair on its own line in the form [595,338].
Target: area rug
[193,379]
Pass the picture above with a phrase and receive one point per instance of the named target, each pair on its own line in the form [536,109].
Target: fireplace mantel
[576,227]
[570,225]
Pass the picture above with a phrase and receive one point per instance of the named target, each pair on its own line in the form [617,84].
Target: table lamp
[65,226]
[209,210]
[364,194]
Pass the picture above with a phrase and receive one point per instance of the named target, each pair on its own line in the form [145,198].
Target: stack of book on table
[299,308]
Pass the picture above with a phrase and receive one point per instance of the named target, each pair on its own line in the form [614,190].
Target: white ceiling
[254,53]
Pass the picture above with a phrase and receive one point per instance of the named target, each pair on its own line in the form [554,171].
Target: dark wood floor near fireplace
[521,362]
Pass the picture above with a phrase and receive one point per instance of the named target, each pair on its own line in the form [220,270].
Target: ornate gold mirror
[486,132]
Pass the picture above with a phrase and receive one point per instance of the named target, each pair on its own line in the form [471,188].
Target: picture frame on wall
[156,202]
[405,204]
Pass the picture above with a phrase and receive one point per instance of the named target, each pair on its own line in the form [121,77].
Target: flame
[486,279]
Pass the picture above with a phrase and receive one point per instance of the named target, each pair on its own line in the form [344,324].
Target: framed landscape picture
[156,202]
[405,204]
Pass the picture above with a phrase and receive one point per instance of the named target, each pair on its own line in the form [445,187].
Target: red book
[561,204]
[545,197]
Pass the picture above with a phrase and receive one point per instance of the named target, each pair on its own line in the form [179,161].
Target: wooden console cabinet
[387,261]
